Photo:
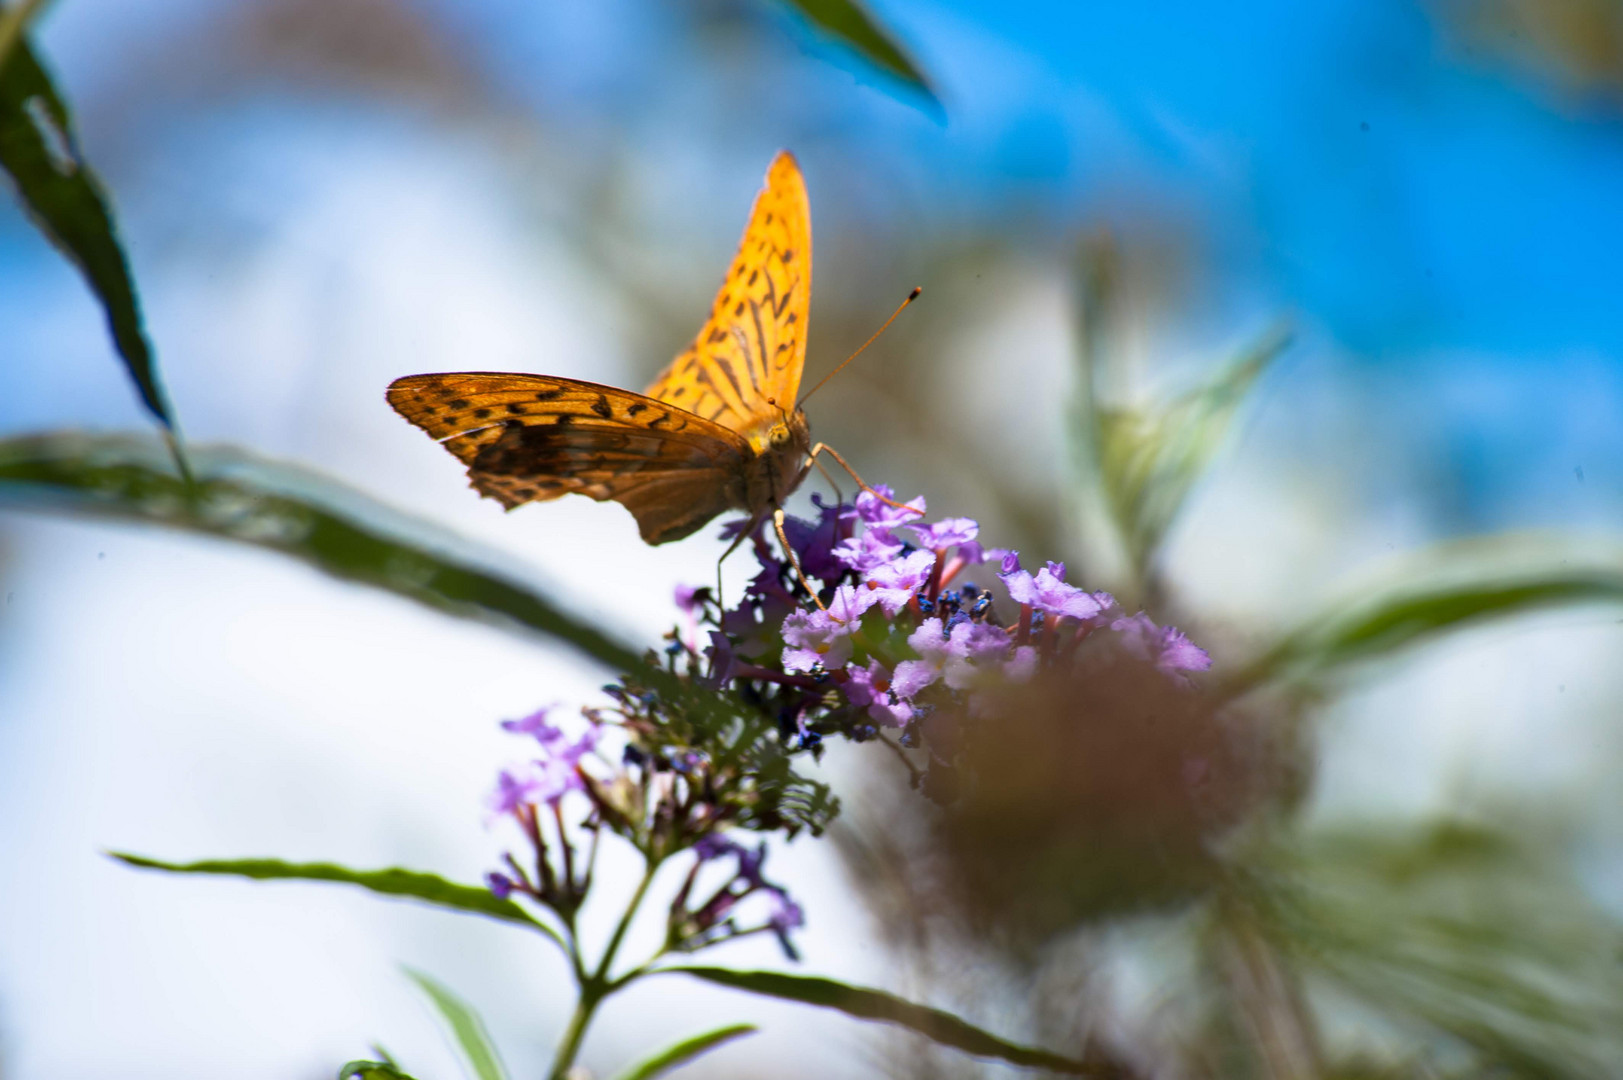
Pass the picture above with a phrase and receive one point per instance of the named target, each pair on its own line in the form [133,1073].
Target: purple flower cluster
[664,798]
[899,636]
[896,641]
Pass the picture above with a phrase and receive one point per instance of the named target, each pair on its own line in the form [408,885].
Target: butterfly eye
[780,435]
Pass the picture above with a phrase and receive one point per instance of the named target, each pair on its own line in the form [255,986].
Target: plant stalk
[596,987]
[574,1033]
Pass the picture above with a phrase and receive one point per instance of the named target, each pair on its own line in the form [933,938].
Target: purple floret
[946,534]
[869,552]
[878,514]
[534,724]
[872,688]
[894,584]
[1047,591]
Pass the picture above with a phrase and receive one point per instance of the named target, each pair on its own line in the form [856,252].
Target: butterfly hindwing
[745,364]
[531,438]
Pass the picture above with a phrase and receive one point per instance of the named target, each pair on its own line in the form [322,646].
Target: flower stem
[570,1046]
[597,986]
[625,921]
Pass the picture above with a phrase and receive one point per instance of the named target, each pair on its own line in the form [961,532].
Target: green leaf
[299,513]
[412,884]
[866,1004]
[1404,615]
[847,22]
[469,1030]
[371,1070]
[1149,459]
[38,149]
[674,1057]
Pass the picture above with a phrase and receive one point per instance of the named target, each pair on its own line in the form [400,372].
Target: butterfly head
[781,444]
[781,433]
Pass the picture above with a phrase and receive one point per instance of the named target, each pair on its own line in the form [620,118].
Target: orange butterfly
[718,430]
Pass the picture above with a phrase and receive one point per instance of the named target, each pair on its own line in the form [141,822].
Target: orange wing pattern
[531,438]
[753,346]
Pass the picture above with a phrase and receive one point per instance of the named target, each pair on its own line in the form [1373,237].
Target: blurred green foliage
[865,1004]
[674,1057]
[284,508]
[1400,949]
[1403,612]
[1574,45]
[40,152]
[847,22]
[371,1070]
[478,1052]
[1148,459]
[1479,934]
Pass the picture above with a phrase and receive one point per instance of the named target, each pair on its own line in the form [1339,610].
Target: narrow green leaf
[40,152]
[469,1030]
[847,22]
[411,884]
[1149,459]
[866,1004]
[1406,615]
[674,1057]
[371,1070]
[294,511]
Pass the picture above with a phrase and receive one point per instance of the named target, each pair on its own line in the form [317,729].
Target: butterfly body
[718,430]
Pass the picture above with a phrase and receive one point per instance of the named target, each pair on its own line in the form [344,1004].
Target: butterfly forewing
[530,438]
[746,361]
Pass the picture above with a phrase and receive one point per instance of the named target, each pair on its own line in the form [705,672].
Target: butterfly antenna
[912,296]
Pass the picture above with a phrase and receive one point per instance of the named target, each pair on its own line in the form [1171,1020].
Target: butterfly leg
[743,535]
[794,560]
[822,448]
[839,496]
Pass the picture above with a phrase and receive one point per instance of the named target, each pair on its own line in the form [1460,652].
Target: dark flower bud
[501,886]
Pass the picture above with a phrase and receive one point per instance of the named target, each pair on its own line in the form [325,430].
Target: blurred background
[1102,202]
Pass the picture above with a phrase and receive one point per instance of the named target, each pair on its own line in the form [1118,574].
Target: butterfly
[718,430]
